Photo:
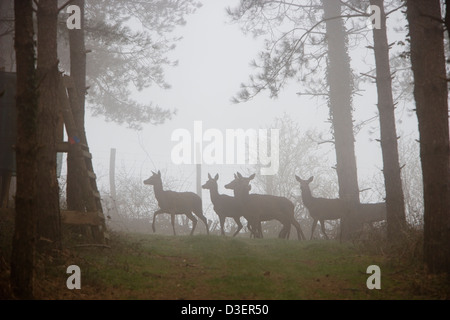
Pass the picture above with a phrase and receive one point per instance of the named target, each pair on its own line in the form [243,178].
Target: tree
[286,55]
[395,205]
[24,240]
[431,96]
[49,223]
[128,44]
[123,58]
[77,51]
[340,94]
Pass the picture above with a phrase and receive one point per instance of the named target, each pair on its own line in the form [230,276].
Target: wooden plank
[80,218]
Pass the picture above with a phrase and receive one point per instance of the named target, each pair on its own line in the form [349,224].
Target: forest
[236,150]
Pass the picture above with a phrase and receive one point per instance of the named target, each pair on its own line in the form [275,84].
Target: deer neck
[214,193]
[158,189]
[241,195]
[306,195]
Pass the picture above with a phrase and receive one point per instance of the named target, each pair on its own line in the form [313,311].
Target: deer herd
[255,208]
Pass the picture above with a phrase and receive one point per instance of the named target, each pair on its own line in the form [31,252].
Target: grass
[142,266]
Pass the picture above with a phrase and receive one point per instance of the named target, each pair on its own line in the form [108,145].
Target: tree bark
[430,92]
[395,205]
[78,73]
[23,252]
[49,222]
[340,95]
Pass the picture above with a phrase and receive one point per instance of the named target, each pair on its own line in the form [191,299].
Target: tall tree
[395,204]
[431,94]
[288,54]
[78,74]
[49,223]
[23,253]
[340,101]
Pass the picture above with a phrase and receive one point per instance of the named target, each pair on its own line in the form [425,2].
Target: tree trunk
[395,205]
[340,83]
[430,92]
[49,223]
[23,252]
[78,73]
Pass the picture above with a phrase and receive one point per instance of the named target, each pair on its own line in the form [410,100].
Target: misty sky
[214,59]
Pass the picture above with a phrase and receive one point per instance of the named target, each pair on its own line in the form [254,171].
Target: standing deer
[224,205]
[173,203]
[320,209]
[259,207]
[373,212]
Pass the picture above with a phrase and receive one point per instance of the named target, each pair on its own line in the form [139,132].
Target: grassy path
[216,268]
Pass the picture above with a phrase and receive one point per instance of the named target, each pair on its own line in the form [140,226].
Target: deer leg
[239,224]
[249,227]
[172,218]
[255,228]
[222,223]
[285,231]
[154,218]
[194,221]
[297,226]
[322,226]
[200,215]
[313,228]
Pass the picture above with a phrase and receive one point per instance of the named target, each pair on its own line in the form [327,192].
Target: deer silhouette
[261,207]
[174,203]
[320,209]
[224,205]
[372,212]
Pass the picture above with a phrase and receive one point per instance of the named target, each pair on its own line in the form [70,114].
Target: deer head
[211,183]
[154,179]
[304,184]
[240,185]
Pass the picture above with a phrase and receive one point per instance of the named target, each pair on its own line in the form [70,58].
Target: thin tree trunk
[78,73]
[23,251]
[430,92]
[49,223]
[395,205]
[340,83]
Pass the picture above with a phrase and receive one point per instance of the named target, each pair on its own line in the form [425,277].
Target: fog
[214,58]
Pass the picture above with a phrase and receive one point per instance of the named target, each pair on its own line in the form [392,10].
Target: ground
[156,267]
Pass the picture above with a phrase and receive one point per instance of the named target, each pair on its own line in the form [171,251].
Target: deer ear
[297,178]
[216,177]
[239,175]
[311,179]
[235,176]
[159,173]
[252,176]
[209,176]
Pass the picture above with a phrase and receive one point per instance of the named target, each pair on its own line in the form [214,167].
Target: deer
[224,205]
[261,207]
[174,203]
[320,209]
[373,212]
